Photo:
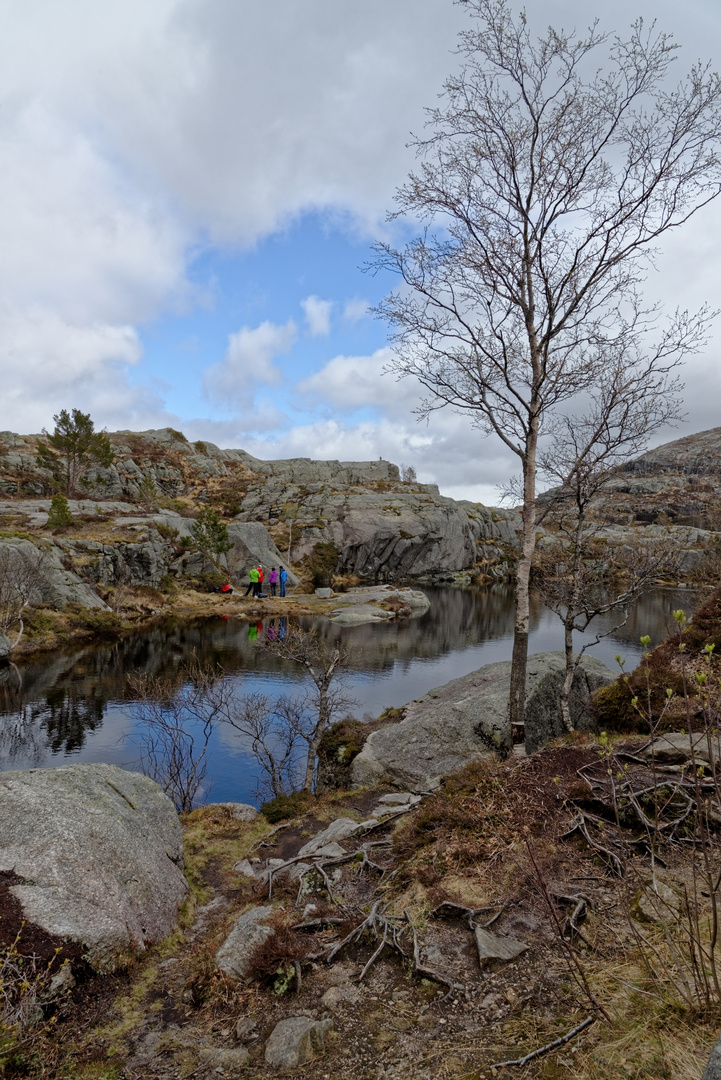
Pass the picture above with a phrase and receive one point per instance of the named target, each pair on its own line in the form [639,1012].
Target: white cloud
[248,362]
[355,310]
[317,315]
[352,382]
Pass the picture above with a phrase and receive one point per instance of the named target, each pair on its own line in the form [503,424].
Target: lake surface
[75,704]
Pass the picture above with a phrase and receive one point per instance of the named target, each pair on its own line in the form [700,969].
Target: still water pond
[74,703]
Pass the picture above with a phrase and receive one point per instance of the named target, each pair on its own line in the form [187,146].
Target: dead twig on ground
[543,1050]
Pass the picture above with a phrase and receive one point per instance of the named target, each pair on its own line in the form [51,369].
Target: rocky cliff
[357,518]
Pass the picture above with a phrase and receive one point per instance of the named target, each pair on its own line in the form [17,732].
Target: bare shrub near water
[21,574]
[177,717]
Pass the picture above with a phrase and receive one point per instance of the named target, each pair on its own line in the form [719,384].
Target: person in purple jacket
[273,580]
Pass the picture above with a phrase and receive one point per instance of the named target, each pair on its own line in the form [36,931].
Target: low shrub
[168,585]
[321,563]
[283,807]
[102,623]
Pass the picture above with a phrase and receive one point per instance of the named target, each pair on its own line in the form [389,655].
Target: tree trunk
[568,678]
[315,739]
[523,581]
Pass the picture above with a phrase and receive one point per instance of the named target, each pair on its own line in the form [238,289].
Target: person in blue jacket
[282,578]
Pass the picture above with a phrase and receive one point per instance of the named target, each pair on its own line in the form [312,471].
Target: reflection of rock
[97,853]
[468,718]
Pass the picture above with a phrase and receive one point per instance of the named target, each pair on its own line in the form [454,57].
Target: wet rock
[98,853]
[233,956]
[5,646]
[340,829]
[295,1041]
[493,947]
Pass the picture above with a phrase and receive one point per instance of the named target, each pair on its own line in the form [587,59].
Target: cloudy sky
[190,189]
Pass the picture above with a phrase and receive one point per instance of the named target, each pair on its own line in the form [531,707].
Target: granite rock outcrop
[94,855]
[467,718]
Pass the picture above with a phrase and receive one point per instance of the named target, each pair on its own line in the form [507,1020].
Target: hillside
[379,527]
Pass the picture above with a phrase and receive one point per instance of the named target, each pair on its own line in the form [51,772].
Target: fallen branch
[543,1050]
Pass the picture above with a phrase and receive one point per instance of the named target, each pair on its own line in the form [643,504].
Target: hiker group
[276,580]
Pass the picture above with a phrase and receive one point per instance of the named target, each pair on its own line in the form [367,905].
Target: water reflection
[74,704]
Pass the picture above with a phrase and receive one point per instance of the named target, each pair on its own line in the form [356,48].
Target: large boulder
[469,717]
[52,583]
[253,544]
[94,855]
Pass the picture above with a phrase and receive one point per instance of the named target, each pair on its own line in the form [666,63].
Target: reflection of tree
[67,719]
[64,694]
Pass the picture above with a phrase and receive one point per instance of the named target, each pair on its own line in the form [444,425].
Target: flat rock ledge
[94,855]
[467,718]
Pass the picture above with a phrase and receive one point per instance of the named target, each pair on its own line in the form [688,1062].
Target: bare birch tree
[22,570]
[580,574]
[552,169]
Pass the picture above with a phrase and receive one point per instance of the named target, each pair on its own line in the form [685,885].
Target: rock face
[468,718]
[96,854]
[252,544]
[400,531]
[53,583]
[382,529]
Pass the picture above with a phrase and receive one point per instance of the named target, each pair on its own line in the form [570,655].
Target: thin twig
[543,1050]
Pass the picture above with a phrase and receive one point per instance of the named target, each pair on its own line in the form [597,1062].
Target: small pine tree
[72,447]
[148,495]
[59,513]
[210,534]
